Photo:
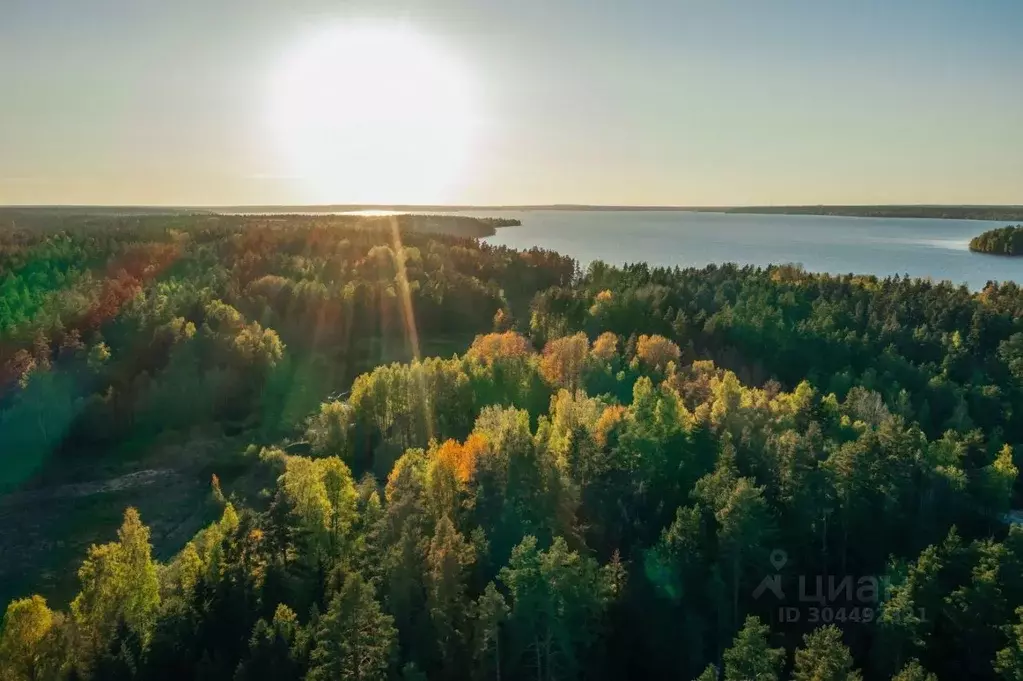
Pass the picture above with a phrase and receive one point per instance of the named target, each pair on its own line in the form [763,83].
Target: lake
[927,248]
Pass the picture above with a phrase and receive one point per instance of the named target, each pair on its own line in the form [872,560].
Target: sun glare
[373,114]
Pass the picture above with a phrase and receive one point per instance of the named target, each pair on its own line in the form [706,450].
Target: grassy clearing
[46,531]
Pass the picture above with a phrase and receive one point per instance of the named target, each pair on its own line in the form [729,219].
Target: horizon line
[454,207]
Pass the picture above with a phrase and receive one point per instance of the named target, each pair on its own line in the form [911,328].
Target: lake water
[935,249]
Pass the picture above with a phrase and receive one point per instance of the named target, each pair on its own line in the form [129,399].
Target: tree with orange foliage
[564,360]
[656,351]
[493,346]
[609,419]
[605,347]
[463,457]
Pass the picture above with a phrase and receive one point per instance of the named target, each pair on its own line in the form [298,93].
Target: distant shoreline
[951,212]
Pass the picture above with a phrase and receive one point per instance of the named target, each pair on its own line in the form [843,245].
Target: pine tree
[913,671]
[491,613]
[751,658]
[744,526]
[1009,660]
[558,598]
[354,639]
[824,657]
[277,649]
[708,674]
[447,559]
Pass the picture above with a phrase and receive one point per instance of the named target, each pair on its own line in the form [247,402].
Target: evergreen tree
[277,649]
[823,657]
[447,559]
[751,658]
[558,598]
[354,639]
[913,671]
[491,613]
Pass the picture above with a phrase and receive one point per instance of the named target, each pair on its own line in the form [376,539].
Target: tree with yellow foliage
[119,585]
[657,351]
[25,626]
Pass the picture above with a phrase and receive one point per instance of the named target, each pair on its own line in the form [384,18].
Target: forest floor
[46,530]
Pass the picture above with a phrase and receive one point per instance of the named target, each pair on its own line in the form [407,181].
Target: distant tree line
[996,213]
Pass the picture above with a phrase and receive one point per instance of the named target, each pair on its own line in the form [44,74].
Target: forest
[445,460]
[1005,241]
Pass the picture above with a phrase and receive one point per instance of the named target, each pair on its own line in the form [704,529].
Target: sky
[623,102]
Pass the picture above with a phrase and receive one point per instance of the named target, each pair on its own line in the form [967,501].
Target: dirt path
[85,489]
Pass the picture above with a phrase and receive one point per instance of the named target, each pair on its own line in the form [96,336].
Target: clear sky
[684,102]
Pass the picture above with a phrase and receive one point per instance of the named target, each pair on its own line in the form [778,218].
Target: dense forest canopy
[1005,241]
[144,350]
[112,328]
[718,473]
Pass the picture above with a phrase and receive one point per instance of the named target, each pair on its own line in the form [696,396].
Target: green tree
[744,527]
[824,657]
[751,658]
[447,559]
[329,430]
[708,674]
[913,671]
[491,613]
[975,610]
[1010,351]
[354,639]
[324,497]
[277,649]
[1009,660]
[998,481]
[902,630]
[558,599]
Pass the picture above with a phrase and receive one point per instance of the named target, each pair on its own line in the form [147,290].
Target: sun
[373,114]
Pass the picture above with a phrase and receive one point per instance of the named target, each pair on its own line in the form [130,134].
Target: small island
[1003,241]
